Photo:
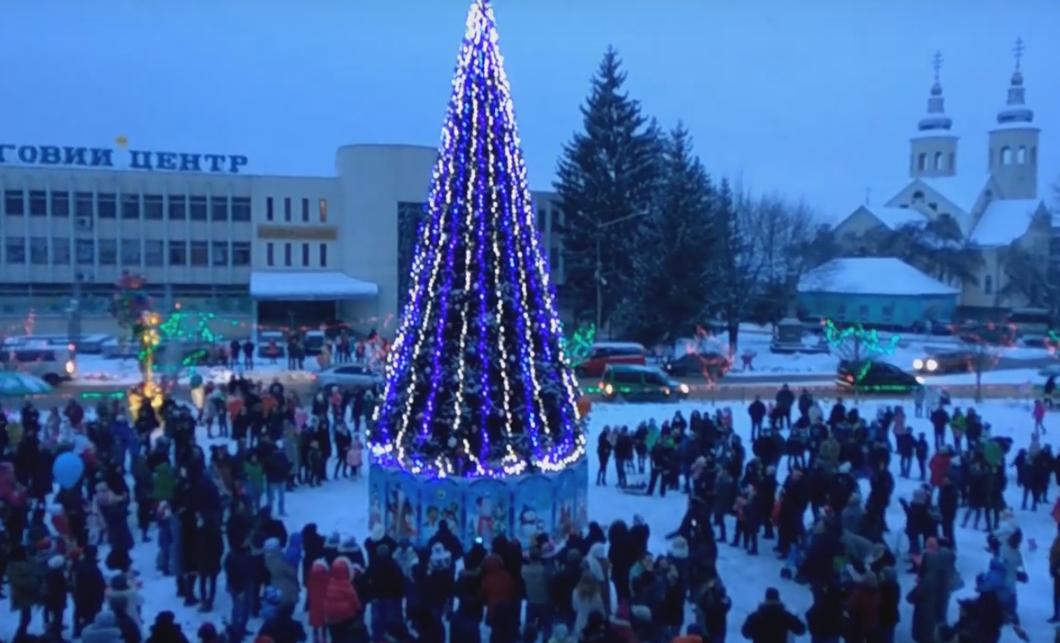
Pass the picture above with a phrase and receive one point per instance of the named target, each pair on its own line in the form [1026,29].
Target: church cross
[1018,51]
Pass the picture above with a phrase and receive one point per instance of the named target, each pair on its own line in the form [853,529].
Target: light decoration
[478,383]
[862,345]
[579,346]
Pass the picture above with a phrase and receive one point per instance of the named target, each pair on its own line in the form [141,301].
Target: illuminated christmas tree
[477,380]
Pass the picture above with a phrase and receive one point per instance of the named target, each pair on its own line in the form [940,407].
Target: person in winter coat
[240,569]
[88,589]
[55,593]
[890,595]
[385,582]
[603,454]
[209,548]
[757,411]
[103,629]
[863,607]
[826,618]
[536,582]
[166,629]
[283,567]
[464,624]
[342,605]
[316,582]
[772,622]
[586,599]
[498,586]
[712,605]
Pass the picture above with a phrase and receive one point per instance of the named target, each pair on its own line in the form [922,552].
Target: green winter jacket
[26,578]
[163,483]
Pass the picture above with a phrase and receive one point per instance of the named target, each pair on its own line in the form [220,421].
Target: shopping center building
[274,251]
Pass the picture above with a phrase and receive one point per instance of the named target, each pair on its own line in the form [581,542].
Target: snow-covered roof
[1004,221]
[872,276]
[308,285]
[962,190]
[895,218]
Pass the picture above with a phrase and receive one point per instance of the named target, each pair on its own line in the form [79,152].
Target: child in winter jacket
[317,587]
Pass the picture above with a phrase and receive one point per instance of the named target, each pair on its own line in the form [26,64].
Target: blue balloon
[67,469]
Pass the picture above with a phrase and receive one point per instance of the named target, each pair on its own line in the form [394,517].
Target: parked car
[712,365]
[634,383]
[996,334]
[349,376]
[272,344]
[945,361]
[53,364]
[879,377]
[604,354]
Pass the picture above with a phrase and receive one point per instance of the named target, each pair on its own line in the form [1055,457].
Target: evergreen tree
[607,178]
[735,267]
[673,280]
[477,381]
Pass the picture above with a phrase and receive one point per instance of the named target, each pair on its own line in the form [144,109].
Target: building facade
[267,250]
[995,206]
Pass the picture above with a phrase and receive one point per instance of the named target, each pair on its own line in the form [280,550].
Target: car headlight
[70,367]
[666,390]
[684,388]
[932,365]
[918,363]
[919,379]
[608,389]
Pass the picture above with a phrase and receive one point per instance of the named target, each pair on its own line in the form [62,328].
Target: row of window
[128,252]
[1015,157]
[271,252]
[107,205]
[938,162]
[271,214]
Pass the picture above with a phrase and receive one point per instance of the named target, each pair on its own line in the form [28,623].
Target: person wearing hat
[772,621]
[56,589]
[89,587]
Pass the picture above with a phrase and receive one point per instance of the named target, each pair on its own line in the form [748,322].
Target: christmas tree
[477,381]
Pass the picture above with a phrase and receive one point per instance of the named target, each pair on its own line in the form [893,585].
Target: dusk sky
[812,99]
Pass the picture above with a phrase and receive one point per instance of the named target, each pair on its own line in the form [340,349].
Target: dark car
[711,365]
[948,361]
[632,383]
[872,377]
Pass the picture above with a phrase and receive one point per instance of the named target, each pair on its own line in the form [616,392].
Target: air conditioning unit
[84,223]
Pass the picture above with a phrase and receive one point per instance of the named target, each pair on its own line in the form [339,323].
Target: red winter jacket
[497,584]
[341,602]
[940,466]
[317,587]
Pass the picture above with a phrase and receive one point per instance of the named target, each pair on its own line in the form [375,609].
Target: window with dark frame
[268,209]
[323,207]
[197,208]
[130,206]
[153,252]
[200,253]
[240,208]
[60,204]
[287,254]
[305,210]
[106,205]
[178,207]
[61,252]
[108,252]
[287,208]
[219,208]
[178,252]
[130,253]
[15,250]
[83,204]
[270,258]
[85,252]
[219,254]
[153,206]
[13,203]
[323,255]
[38,203]
[241,253]
[38,251]
[305,255]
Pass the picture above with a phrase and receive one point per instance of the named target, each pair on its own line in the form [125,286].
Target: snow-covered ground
[342,506]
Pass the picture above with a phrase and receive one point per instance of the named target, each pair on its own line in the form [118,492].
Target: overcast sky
[815,99]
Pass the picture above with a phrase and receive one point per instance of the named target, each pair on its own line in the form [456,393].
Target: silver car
[348,376]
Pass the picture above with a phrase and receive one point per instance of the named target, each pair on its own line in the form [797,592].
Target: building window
[888,312]
[268,209]
[108,252]
[287,209]
[153,252]
[130,253]
[305,255]
[938,160]
[61,252]
[86,252]
[153,206]
[863,312]
[130,206]
[219,256]
[921,161]
[60,204]
[1034,154]
[287,254]
[197,208]
[953,162]
[178,207]
[83,204]
[1021,155]
[178,253]
[934,206]
[918,196]
[241,253]
[323,255]
[1006,155]
[38,203]
[323,207]
[38,251]
[219,208]
[15,249]
[13,204]
[106,205]
[200,253]
[988,285]
[270,257]
[240,208]
[305,210]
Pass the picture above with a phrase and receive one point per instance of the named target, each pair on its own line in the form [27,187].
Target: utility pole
[599,278]
[73,329]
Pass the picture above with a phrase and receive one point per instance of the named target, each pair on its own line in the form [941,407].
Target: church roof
[871,276]
[962,190]
[895,218]
[1004,221]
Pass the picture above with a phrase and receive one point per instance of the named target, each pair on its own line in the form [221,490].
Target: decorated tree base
[410,507]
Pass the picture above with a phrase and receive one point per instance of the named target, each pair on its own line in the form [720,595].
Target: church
[998,211]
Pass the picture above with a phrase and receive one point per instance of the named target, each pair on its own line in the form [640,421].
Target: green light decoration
[178,327]
[860,344]
[579,346]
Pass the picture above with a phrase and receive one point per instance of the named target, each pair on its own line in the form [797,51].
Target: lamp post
[598,277]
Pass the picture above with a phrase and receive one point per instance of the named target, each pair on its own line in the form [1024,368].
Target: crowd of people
[213,518]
